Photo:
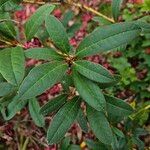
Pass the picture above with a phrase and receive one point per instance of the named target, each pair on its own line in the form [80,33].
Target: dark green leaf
[40,79]
[53,104]
[116,5]
[67,17]
[43,53]
[82,121]
[108,38]
[118,132]
[100,126]
[12,64]
[74,147]
[63,120]
[117,109]
[34,109]
[93,71]
[5,88]
[65,143]
[89,91]
[57,33]
[36,20]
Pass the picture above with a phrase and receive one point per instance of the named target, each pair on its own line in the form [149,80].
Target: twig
[5,20]
[82,6]
[70,2]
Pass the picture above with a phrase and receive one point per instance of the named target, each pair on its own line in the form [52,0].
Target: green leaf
[36,20]
[43,53]
[34,109]
[2,2]
[82,121]
[5,88]
[100,126]
[93,71]
[57,33]
[7,28]
[74,147]
[12,64]
[65,143]
[53,104]
[117,109]
[108,38]
[118,132]
[14,106]
[89,91]
[63,120]
[41,78]
[116,5]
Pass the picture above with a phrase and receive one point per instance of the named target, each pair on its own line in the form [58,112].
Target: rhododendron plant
[63,70]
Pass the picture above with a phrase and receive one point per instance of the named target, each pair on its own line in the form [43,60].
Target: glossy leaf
[40,79]
[57,33]
[53,104]
[5,88]
[34,109]
[36,20]
[89,91]
[116,4]
[100,126]
[93,71]
[108,38]
[43,54]
[63,120]
[117,109]
[12,64]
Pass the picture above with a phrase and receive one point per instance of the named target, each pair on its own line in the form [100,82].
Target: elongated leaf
[63,120]
[14,106]
[41,78]
[2,2]
[100,126]
[7,28]
[43,53]
[53,104]
[117,109]
[12,64]
[57,33]
[93,71]
[36,20]
[108,38]
[5,88]
[34,109]
[82,121]
[89,91]
[116,4]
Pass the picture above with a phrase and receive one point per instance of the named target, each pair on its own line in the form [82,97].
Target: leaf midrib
[64,119]
[84,49]
[41,79]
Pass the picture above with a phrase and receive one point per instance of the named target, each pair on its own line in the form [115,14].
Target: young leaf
[89,91]
[57,33]
[36,20]
[41,78]
[12,64]
[117,109]
[53,104]
[116,4]
[34,108]
[108,38]
[7,28]
[82,121]
[5,88]
[93,71]
[100,126]
[63,120]
[43,53]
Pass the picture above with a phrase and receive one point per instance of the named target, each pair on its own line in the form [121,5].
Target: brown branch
[70,2]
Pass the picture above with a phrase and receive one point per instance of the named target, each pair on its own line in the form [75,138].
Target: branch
[70,2]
